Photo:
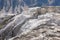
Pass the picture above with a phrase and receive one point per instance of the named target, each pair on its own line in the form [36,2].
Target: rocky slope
[32,24]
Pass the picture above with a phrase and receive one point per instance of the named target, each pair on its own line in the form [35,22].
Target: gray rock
[29,25]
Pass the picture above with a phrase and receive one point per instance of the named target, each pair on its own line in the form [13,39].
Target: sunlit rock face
[45,27]
[58,9]
[34,23]
[51,9]
[43,10]
[23,20]
[14,24]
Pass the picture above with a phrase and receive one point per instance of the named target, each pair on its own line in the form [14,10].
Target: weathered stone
[30,25]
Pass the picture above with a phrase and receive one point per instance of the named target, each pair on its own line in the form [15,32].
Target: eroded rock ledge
[33,24]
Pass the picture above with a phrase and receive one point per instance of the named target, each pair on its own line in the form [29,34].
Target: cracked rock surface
[45,27]
[31,25]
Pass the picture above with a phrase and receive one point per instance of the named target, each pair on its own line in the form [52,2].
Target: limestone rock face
[45,27]
[13,27]
[4,17]
[43,10]
[31,24]
[51,9]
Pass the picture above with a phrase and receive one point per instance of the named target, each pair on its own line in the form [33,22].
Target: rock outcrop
[45,27]
[32,24]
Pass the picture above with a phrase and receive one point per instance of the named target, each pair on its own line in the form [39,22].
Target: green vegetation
[1,26]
